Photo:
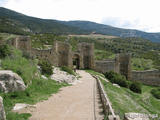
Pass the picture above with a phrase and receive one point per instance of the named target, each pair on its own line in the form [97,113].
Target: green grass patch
[68,70]
[20,65]
[95,73]
[40,89]
[123,100]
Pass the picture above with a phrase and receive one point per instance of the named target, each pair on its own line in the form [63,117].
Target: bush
[68,70]
[156,93]
[46,67]
[4,51]
[136,87]
[116,78]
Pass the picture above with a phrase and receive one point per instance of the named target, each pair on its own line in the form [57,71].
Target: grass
[123,100]
[20,65]
[68,70]
[38,89]
[95,73]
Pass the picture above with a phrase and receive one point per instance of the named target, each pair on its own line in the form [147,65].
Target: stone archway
[76,61]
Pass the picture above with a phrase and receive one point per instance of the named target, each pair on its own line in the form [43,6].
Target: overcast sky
[135,14]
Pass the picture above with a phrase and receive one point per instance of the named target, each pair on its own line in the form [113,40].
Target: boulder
[136,116]
[62,76]
[11,82]
[20,106]
[44,77]
[2,112]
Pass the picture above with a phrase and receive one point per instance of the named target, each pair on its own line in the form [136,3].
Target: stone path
[76,102]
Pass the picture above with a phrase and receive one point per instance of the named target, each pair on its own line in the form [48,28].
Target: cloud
[2,3]
[136,14]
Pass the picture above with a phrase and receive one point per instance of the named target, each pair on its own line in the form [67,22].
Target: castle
[61,54]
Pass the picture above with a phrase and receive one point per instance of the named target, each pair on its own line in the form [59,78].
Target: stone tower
[124,64]
[64,53]
[87,53]
[22,43]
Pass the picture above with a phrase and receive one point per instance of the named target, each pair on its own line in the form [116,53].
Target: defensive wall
[61,54]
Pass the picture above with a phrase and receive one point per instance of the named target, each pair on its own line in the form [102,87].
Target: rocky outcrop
[2,112]
[62,76]
[10,82]
[136,116]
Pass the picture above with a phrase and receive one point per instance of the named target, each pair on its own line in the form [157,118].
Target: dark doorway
[76,61]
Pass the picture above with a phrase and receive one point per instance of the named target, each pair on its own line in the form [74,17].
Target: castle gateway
[61,54]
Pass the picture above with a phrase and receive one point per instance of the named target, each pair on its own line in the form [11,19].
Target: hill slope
[13,22]
[109,30]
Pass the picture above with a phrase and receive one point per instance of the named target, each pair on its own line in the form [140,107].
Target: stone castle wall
[105,66]
[124,61]
[64,54]
[61,55]
[149,77]
[22,43]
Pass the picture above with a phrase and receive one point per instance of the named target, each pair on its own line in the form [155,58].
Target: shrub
[116,78]
[4,51]
[135,87]
[46,67]
[68,70]
[156,93]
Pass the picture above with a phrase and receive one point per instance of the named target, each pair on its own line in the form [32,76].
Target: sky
[130,14]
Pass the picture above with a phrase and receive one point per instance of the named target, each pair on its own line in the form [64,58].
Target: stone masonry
[62,55]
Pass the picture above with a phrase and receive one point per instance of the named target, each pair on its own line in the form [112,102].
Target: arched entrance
[76,61]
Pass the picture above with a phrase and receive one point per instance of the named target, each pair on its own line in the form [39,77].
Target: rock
[136,116]
[116,85]
[11,82]
[2,112]
[110,117]
[20,106]
[44,77]
[62,76]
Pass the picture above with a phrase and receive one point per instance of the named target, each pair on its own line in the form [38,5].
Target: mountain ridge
[14,22]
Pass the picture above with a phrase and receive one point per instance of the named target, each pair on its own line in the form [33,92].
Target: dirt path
[71,103]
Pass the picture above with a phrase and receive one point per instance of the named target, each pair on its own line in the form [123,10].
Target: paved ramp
[77,102]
